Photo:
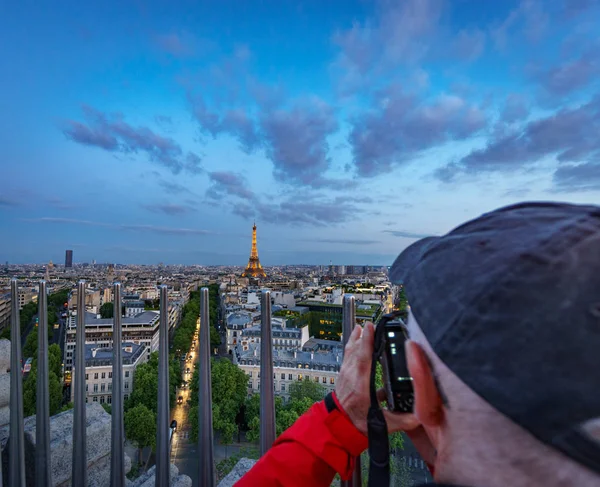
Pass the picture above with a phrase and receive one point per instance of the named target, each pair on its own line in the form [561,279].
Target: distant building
[254,268]
[317,361]
[141,329]
[98,371]
[69,258]
[5,310]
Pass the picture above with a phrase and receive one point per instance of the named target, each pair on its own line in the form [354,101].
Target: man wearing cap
[504,353]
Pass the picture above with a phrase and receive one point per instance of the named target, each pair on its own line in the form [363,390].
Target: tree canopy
[54,383]
[107,310]
[140,427]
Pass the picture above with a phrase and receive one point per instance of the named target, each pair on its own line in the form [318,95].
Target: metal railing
[206,470]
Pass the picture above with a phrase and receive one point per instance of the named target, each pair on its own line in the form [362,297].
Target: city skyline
[158,133]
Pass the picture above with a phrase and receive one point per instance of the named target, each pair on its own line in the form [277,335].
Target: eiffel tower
[254,269]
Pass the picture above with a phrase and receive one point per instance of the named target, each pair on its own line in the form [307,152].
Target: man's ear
[428,401]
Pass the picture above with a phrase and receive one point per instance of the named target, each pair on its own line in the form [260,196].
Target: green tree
[306,389]
[140,428]
[30,391]
[229,388]
[30,348]
[107,310]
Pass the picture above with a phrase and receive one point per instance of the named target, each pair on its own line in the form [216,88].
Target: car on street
[174,425]
[187,371]
[180,400]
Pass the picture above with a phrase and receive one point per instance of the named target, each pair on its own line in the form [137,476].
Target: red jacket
[310,452]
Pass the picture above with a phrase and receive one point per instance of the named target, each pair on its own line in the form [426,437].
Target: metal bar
[42,411]
[79,462]
[117,438]
[205,423]
[267,400]
[348,324]
[162,418]
[16,467]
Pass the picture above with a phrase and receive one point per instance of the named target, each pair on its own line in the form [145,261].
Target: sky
[147,132]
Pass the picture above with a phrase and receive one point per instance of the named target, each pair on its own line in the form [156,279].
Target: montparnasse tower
[254,269]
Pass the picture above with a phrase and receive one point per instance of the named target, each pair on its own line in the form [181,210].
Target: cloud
[174,188]
[530,18]
[571,76]
[5,201]
[570,135]
[163,119]
[296,141]
[226,183]
[399,126]
[343,241]
[469,45]
[400,34]
[166,230]
[515,108]
[235,122]
[181,44]
[404,234]
[170,209]
[112,133]
[128,227]
[581,177]
[302,208]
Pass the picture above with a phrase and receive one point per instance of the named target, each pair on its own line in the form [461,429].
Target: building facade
[69,258]
[98,371]
[140,330]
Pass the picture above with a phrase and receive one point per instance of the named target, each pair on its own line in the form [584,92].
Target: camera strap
[379,445]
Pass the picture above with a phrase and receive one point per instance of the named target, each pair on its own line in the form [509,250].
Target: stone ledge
[237,472]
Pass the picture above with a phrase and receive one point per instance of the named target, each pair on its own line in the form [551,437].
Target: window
[109,399]
[126,374]
[96,376]
[101,399]
[87,376]
[95,387]
[299,366]
[95,399]
[317,379]
[324,380]
[126,396]
[87,387]
[250,384]
[289,376]
[299,376]
[282,376]
[283,387]
[109,386]
[306,366]
[250,374]
[110,375]
[104,375]
[126,385]
[332,381]
[102,387]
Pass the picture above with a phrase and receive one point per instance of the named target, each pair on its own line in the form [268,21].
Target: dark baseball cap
[510,302]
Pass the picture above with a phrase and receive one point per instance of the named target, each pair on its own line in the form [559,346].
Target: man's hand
[352,388]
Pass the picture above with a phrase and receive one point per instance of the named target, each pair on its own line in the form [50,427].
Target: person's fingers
[400,421]
[381,395]
[366,342]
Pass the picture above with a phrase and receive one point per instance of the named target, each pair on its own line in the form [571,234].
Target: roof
[331,360]
[146,318]
[315,344]
[104,355]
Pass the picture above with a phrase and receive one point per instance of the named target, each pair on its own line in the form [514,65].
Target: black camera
[391,333]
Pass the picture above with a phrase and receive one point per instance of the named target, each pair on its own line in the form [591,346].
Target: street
[183,451]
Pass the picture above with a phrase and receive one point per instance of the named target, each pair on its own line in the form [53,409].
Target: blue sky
[149,132]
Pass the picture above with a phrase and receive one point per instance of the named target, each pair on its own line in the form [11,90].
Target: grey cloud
[174,188]
[515,108]
[235,122]
[193,164]
[469,45]
[529,17]
[225,183]
[296,141]
[166,230]
[570,134]
[581,177]
[135,228]
[170,209]
[571,76]
[404,234]
[112,133]
[399,126]
[5,201]
[300,209]
[348,241]
[163,119]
